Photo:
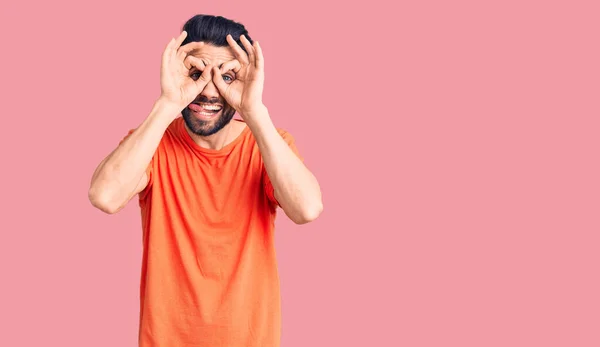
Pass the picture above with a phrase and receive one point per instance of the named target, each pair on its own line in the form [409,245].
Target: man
[208,187]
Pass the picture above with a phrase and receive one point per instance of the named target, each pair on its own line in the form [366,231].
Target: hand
[177,86]
[244,94]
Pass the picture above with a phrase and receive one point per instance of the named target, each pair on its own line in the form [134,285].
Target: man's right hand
[177,85]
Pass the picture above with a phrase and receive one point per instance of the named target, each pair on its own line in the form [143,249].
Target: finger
[191,61]
[232,65]
[167,52]
[178,42]
[249,49]
[187,48]
[218,81]
[181,55]
[181,38]
[204,79]
[260,60]
[237,50]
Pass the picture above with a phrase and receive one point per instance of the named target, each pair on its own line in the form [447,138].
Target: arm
[296,188]
[122,174]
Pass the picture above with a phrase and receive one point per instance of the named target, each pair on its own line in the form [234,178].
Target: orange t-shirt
[209,274]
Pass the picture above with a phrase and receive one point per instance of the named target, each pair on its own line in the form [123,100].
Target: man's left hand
[244,94]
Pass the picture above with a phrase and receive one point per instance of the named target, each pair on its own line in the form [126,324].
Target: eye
[195,75]
[228,78]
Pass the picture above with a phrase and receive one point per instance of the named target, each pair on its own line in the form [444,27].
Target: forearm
[296,188]
[116,178]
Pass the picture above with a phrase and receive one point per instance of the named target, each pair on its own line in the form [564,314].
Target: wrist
[256,111]
[167,106]
[259,121]
[164,108]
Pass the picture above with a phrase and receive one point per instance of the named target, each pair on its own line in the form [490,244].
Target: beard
[203,127]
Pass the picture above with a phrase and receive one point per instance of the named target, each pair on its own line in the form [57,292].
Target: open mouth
[205,110]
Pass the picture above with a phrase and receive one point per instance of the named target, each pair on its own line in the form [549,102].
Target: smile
[205,109]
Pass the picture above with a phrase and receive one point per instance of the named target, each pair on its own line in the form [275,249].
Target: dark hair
[214,30]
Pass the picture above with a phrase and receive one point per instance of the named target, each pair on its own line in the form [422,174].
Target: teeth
[211,107]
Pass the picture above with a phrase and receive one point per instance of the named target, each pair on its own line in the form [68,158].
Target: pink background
[456,144]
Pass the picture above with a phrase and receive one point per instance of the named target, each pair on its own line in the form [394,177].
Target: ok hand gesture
[244,93]
[177,86]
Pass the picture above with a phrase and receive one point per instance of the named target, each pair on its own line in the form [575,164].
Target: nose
[210,91]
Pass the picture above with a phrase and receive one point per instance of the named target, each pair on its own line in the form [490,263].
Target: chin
[203,125]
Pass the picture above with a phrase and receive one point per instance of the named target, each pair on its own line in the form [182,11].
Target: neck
[217,140]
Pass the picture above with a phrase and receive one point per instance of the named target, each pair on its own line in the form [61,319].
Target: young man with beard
[208,188]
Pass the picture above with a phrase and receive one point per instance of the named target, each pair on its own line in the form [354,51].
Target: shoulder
[174,128]
[173,134]
[282,132]
[287,136]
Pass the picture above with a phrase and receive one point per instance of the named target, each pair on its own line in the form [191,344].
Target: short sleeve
[144,192]
[267,185]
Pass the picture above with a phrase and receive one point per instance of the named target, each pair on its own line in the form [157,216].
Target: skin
[198,71]
[198,58]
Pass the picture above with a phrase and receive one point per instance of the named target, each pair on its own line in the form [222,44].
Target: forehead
[213,55]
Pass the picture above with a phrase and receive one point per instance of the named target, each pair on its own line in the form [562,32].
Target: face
[209,112]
